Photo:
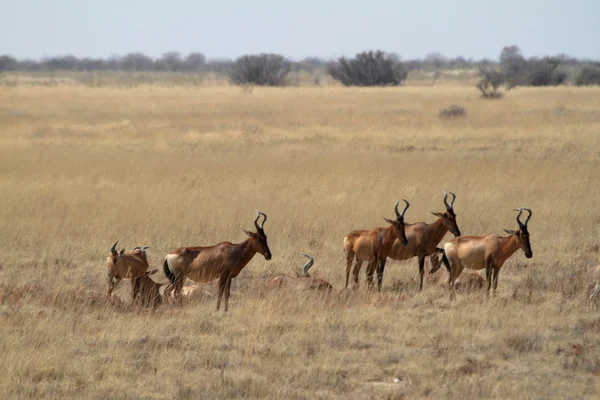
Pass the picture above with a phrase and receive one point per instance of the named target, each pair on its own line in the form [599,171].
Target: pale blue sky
[468,28]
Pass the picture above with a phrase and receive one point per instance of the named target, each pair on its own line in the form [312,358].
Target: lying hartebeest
[147,290]
[224,261]
[596,290]
[374,245]
[489,252]
[126,264]
[305,282]
[422,240]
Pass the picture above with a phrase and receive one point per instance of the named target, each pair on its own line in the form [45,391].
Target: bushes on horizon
[490,81]
[369,68]
[588,76]
[260,69]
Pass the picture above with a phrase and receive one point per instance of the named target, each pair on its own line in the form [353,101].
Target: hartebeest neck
[508,246]
[437,231]
[246,252]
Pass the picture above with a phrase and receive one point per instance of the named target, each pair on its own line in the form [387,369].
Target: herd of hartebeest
[400,241]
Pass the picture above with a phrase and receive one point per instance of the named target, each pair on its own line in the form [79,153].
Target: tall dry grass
[166,167]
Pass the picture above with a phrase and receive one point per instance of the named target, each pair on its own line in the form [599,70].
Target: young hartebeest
[126,264]
[305,282]
[468,281]
[374,245]
[224,261]
[422,240]
[148,290]
[489,252]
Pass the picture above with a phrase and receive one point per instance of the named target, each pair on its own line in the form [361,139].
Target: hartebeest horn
[528,217]
[406,205]
[258,214]
[308,264]
[452,201]
[114,247]
[145,247]
[451,205]
[520,210]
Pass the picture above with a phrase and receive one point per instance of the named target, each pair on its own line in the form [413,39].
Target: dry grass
[165,167]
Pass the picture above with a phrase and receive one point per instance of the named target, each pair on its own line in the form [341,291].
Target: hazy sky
[469,28]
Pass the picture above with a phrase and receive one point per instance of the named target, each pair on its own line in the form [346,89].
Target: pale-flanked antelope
[147,290]
[489,252]
[305,282]
[422,239]
[224,261]
[126,264]
[596,290]
[374,245]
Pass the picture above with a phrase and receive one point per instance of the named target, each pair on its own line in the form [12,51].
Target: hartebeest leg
[380,269]
[488,274]
[227,293]
[495,273]
[349,258]
[112,284]
[356,271]
[370,272]
[421,268]
[222,282]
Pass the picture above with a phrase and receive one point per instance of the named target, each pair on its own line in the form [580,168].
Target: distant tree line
[369,68]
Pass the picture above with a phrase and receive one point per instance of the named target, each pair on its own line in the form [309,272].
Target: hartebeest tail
[486,252]
[422,240]
[374,245]
[224,261]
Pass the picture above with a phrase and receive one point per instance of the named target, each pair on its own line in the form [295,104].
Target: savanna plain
[173,166]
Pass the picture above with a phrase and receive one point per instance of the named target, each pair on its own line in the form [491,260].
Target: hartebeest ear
[389,221]
[511,232]
[438,214]
[250,234]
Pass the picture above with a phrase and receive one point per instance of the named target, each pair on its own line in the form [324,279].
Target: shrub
[588,76]
[369,68]
[452,112]
[260,69]
[490,80]
[543,73]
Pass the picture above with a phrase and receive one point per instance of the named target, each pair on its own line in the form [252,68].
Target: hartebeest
[468,281]
[305,282]
[422,240]
[489,252]
[126,264]
[148,290]
[224,261]
[374,245]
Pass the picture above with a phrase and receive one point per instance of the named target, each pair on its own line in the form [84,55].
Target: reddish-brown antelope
[374,245]
[224,261]
[422,240]
[489,252]
[305,282]
[147,290]
[126,264]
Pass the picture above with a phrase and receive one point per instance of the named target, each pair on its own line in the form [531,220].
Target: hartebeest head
[522,234]
[308,264]
[260,239]
[399,224]
[449,217]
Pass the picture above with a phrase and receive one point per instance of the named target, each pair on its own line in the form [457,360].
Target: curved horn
[136,248]
[256,219]
[308,264]
[264,219]
[396,209]
[406,205]
[528,217]
[520,210]
[114,246]
[445,198]
[145,247]
[452,201]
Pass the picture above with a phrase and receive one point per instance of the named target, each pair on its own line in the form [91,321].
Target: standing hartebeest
[422,240]
[126,264]
[489,252]
[305,282]
[374,245]
[224,261]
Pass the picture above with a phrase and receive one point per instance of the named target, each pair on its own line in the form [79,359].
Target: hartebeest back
[422,239]
[224,261]
[489,252]
[374,245]
[305,282]
[126,264]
